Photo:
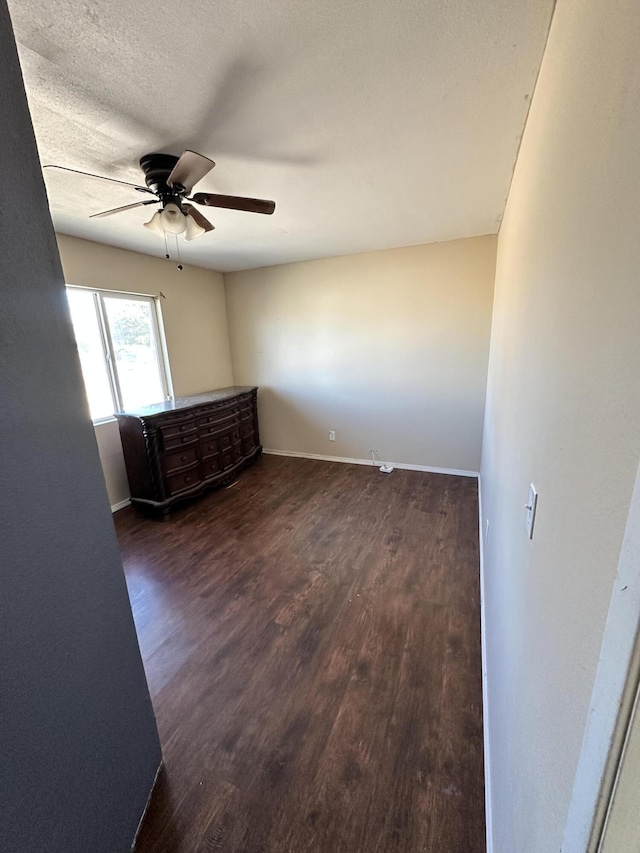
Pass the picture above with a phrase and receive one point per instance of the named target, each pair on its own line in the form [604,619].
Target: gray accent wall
[78,741]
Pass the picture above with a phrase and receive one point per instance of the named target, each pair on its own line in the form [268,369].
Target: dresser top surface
[179,403]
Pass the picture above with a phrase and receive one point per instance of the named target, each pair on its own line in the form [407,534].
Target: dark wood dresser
[179,448]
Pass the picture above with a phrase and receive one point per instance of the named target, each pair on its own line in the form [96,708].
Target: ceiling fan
[171,180]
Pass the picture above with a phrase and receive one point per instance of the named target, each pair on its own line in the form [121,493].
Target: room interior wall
[563,409]
[78,738]
[195,323]
[388,348]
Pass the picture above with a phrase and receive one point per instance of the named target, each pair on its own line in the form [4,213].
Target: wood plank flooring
[311,637]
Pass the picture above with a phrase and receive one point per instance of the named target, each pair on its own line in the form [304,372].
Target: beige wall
[194,317]
[389,349]
[563,411]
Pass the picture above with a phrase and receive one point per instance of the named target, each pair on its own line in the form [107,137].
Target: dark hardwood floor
[311,637]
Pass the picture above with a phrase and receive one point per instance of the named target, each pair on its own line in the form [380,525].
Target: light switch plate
[531,507]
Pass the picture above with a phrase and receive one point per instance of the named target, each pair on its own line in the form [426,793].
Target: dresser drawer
[211,466]
[231,456]
[210,426]
[175,442]
[177,433]
[231,438]
[184,480]
[248,444]
[230,413]
[180,459]
[220,441]
[172,428]
[210,447]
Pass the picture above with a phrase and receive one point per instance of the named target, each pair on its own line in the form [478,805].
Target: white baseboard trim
[120,505]
[456,472]
[488,802]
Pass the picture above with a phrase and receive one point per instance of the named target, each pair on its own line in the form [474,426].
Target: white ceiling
[372,123]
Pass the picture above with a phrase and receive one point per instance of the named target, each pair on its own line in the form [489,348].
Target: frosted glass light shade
[193,229]
[173,219]
[155,225]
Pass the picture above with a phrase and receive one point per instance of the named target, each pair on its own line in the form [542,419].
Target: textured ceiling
[371,123]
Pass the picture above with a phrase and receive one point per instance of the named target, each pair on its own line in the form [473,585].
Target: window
[121,353]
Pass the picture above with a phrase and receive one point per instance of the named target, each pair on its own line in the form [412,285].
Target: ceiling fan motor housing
[157,168]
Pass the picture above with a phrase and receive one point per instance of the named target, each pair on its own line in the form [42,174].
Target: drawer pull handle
[183,427]
[185,438]
[183,458]
[187,479]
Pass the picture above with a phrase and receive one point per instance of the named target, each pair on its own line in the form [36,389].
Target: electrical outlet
[486,531]
[332,435]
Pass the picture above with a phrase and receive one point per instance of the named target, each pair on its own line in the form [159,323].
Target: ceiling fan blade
[102,177]
[233,202]
[190,169]
[124,207]
[199,218]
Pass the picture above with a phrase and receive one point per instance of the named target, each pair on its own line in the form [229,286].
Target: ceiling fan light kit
[171,179]
[155,225]
[192,230]
[173,219]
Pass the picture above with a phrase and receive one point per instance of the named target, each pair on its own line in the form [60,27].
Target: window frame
[107,344]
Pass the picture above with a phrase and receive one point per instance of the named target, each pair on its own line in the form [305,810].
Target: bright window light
[121,355]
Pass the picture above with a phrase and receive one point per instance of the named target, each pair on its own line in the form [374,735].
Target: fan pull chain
[166,250]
